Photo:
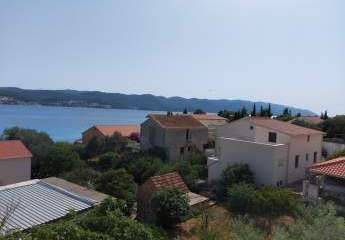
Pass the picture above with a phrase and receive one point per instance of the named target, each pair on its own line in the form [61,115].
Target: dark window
[187,134]
[182,150]
[315,157]
[189,149]
[308,138]
[281,183]
[296,161]
[307,156]
[272,137]
[251,127]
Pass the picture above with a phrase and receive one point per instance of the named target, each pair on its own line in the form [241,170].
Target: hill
[73,98]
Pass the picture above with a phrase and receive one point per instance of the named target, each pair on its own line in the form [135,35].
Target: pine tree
[325,116]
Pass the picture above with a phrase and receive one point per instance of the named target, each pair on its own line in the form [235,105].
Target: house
[35,202]
[179,135]
[277,152]
[157,183]
[102,131]
[326,180]
[211,121]
[15,162]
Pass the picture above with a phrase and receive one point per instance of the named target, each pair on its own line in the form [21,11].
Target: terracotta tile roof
[208,117]
[11,149]
[334,168]
[280,126]
[172,179]
[124,130]
[176,121]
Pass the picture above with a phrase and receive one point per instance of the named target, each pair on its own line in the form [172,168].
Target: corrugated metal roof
[38,202]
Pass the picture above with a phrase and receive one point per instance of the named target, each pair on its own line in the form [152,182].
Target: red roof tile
[284,127]
[124,130]
[208,117]
[172,179]
[176,121]
[11,149]
[334,168]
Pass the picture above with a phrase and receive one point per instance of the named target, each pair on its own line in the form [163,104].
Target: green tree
[61,158]
[185,111]
[335,127]
[119,184]
[107,161]
[241,197]
[170,206]
[144,167]
[39,144]
[83,176]
[233,174]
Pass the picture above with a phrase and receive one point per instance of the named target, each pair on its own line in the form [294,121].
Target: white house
[277,152]
[15,162]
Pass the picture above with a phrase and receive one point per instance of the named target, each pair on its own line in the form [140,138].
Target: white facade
[277,162]
[14,170]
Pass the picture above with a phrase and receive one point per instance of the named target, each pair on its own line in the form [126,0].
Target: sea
[65,123]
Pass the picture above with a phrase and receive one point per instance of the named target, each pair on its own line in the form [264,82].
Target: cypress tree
[269,111]
[254,110]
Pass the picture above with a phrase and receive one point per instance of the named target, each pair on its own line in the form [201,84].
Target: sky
[288,51]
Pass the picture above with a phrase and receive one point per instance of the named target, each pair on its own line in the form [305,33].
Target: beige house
[179,135]
[277,152]
[211,121]
[102,131]
[15,162]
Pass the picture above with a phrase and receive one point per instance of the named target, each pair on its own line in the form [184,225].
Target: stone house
[277,152]
[211,122]
[15,162]
[157,183]
[102,131]
[178,135]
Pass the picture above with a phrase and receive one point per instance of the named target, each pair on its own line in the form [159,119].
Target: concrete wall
[331,147]
[267,161]
[240,129]
[14,170]
[212,126]
[300,146]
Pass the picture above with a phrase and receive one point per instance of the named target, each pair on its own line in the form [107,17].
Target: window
[189,148]
[187,134]
[308,138]
[182,150]
[272,137]
[307,156]
[296,161]
[251,127]
[315,157]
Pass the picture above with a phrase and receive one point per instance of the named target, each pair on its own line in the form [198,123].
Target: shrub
[233,174]
[241,197]
[107,161]
[83,176]
[119,184]
[170,206]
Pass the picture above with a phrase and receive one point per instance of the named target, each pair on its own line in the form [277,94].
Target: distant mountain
[73,98]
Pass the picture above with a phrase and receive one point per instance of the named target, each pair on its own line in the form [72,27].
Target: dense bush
[107,161]
[61,158]
[143,167]
[83,176]
[119,184]
[170,206]
[241,197]
[233,174]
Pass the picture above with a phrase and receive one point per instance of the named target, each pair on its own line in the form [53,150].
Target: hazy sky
[284,51]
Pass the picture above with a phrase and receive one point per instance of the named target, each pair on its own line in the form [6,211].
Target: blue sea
[65,123]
